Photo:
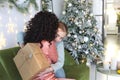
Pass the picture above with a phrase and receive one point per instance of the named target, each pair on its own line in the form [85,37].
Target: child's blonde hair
[63,27]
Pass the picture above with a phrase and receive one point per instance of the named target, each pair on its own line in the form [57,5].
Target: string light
[2,40]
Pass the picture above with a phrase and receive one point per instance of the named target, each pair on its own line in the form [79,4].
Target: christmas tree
[84,38]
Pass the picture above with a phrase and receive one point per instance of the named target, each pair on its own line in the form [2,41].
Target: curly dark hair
[43,26]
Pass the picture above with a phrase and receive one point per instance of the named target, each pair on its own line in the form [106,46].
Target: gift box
[30,61]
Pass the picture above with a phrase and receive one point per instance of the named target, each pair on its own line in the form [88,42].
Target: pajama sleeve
[20,36]
[59,64]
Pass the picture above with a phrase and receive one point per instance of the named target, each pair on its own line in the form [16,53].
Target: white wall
[12,21]
[58,7]
[97,11]
[112,18]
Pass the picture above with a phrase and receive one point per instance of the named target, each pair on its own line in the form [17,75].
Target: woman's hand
[50,69]
[39,75]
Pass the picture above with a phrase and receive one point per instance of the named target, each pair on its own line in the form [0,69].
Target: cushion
[78,72]
[68,59]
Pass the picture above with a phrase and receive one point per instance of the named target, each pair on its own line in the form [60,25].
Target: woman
[61,33]
[43,29]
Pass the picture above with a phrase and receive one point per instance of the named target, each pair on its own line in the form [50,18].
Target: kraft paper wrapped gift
[30,61]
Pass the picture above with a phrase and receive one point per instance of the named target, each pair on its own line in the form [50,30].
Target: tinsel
[21,6]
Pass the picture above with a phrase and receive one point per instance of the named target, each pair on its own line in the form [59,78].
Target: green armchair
[8,70]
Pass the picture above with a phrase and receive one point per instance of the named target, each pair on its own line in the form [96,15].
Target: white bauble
[73,44]
[86,39]
[69,35]
[79,47]
[88,64]
[86,52]
[64,12]
[75,36]
[76,11]
[69,5]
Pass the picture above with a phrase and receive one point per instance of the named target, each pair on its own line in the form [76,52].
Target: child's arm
[59,64]
[20,38]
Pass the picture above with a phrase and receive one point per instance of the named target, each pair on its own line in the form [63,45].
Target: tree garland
[25,4]
[20,6]
[47,5]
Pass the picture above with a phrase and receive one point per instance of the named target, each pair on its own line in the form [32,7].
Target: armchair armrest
[7,65]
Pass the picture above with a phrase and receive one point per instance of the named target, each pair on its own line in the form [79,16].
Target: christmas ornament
[63,12]
[69,5]
[85,39]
